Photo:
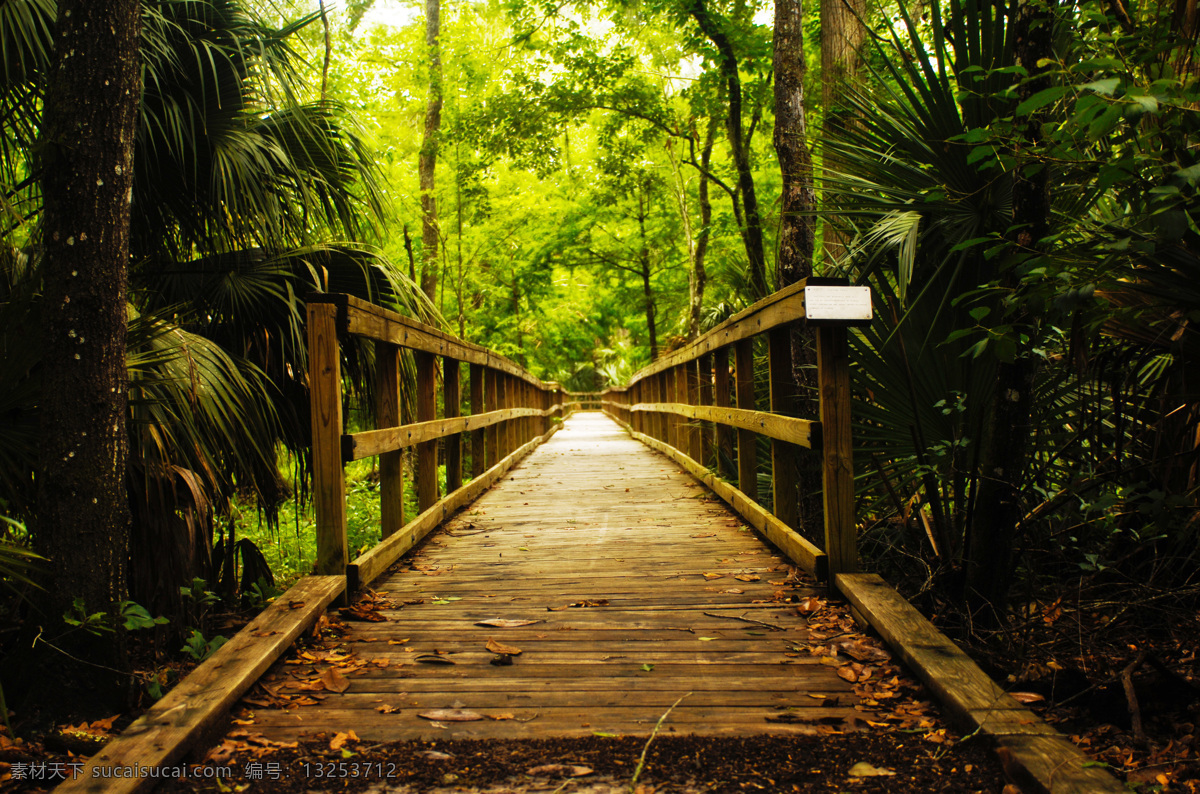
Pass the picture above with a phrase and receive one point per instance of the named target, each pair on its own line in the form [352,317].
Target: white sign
[837,303]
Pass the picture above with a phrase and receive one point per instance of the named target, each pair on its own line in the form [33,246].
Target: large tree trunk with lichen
[797,235]
[427,159]
[89,123]
[842,34]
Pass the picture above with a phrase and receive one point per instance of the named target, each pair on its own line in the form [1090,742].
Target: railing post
[708,430]
[833,380]
[493,431]
[693,434]
[451,409]
[784,471]
[722,399]
[391,464]
[504,401]
[427,470]
[747,454]
[477,436]
[329,479]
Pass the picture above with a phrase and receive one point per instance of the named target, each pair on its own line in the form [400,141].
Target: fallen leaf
[713,575]
[847,674]
[863,769]
[397,642]
[560,769]
[809,605]
[707,639]
[334,681]
[648,667]
[451,715]
[747,577]
[1027,697]
[504,716]
[339,740]
[705,535]
[505,623]
[385,709]
[499,647]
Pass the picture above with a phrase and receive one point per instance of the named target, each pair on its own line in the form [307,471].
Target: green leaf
[648,667]
[1042,98]
[1104,87]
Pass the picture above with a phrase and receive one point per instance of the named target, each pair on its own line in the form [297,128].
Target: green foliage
[199,648]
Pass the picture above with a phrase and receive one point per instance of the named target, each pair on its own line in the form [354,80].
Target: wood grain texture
[596,520]
[325,396]
[833,379]
[427,453]
[802,432]
[747,455]
[168,731]
[391,464]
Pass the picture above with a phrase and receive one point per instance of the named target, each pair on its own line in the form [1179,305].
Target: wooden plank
[797,549]
[427,453]
[391,464]
[365,444]
[452,409]
[356,316]
[1048,761]
[708,432]
[325,396]
[784,472]
[801,432]
[367,567]
[833,384]
[747,452]
[477,435]
[167,732]
[505,401]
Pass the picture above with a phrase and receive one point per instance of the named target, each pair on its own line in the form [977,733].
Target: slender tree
[427,160]
[90,121]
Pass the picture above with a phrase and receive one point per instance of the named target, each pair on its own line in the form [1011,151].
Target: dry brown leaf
[334,681]
[863,769]
[570,770]
[1027,697]
[713,575]
[434,658]
[499,647]
[385,709]
[504,716]
[451,715]
[339,740]
[505,623]
[747,577]
[809,605]
[847,673]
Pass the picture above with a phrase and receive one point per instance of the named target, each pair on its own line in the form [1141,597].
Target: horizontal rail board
[798,549]
[358,317]
[165,734]
[804,432]
[370,565]
[356,446]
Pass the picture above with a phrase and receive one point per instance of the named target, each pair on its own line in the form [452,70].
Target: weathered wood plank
[391,464]
[478,439]
[833,378]
[1046,760]
[167,732]
[365,444]
[722,398]
[801,432]
[785,502]
[329,481]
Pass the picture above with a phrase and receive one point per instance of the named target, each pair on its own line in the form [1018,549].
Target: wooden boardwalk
[646,590]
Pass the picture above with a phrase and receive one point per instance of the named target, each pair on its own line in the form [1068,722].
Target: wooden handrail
[511,412]
[697,383]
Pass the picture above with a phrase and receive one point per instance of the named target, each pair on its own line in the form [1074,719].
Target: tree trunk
[328,51]
[797,235]
[427,160]
[90,120]
[644,267]
[752,236]
[1003,456]
[842,33]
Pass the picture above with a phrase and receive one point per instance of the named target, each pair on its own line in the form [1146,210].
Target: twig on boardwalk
[646,746]
[771,626]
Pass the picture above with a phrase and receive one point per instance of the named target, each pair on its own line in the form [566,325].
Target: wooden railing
[665,403]
[511,412]
[583,400]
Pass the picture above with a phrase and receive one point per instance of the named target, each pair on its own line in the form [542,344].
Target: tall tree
[90,122]
[714,28]
[842,34]
[427,162]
